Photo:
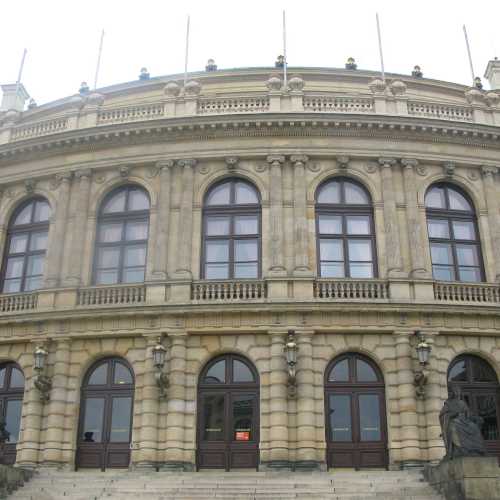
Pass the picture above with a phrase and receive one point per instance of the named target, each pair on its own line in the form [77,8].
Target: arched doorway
[228,414]
[11,403]
[105,427]
[356,432]
[481,391]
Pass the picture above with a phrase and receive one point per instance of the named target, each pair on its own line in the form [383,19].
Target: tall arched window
[27,235]
[231,231]
[345,232]
[453,235]
[122,237]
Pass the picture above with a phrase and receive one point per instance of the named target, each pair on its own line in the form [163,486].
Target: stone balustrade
[467,292]
[440,111]
[351,289]
[18,302]
[228,290]
[338,104]
[111,295]
[130,114]
[257,104]
[38,129]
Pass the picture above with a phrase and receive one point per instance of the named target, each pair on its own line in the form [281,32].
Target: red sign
[242,436]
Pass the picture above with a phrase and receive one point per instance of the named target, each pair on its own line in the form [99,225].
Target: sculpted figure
[4,433]
[460,431]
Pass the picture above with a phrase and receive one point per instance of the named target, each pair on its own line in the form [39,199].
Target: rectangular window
[330,224]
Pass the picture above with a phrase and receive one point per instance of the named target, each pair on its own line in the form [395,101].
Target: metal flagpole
[469,54]
[187,53]
[20,74]
[284,52]
[98,60]
[380,49]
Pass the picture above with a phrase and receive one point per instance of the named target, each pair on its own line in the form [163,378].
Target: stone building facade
[225,226]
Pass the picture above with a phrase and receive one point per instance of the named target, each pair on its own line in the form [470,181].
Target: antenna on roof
[469,54]
[380,49]
[284,51]
[20,74]
[98,60]
[187,53]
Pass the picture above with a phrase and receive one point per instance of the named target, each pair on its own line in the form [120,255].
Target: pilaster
[493,213]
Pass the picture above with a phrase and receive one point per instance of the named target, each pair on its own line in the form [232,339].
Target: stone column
[79,229]
[54,436]
[276,212]
[306,428]
[176,405]
[300,215]
[407,401]
[393,247]
[418,265]
[278,404]
[56,244]
[186,220]
[493,215]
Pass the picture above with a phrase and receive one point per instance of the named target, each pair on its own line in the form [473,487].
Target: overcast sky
[62,37]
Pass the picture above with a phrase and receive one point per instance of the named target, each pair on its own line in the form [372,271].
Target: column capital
[164,164]
[488,170]
[387,162]
[187,162]
[275,160]
[299,160]
[409,162]
[83,172]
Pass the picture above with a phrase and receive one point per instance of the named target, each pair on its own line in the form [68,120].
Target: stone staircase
[136,485]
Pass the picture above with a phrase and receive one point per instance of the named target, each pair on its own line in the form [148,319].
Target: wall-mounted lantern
[159,354]
[423,352]
[42,382]
[291,361]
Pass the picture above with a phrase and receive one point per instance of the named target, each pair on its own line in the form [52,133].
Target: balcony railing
[18,302]
[440,111]
[233,105]
[113,295]
[228,290]
[467,292]
[38,129]
[351,289]
[130,114]
[338,104]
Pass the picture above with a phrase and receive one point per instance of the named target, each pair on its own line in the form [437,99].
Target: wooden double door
[228,415]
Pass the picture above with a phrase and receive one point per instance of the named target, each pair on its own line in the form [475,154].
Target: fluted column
[300,216]
[276,212]
[393,243]
[54,437]
[56,245]
[186,220]
[418,265]
[493,215]
[163,220]
[79,229]
[407,401]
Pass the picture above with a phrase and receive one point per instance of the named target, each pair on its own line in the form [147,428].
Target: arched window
[345,232]
[27,235]
[453,235]
[231,231]
[122,237]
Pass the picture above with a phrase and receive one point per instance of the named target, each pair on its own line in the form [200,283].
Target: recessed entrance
[228,414]
[105,427]
[356,432]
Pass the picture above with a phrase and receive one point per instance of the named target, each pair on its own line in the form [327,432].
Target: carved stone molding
[83,172]
[299,159]
[473,174]
[422,170]
[164,164]
[172,89]
[296,84]
[29,185]
[260,167]
[488,170]
[187,162]
[343,162]
[371,168]
[192,88]
[313,167]
[231,162]
[449,168]
[387,162]
[409,162]
[274,83]
[377,86]
[124,171]
[398,87]
[276,160]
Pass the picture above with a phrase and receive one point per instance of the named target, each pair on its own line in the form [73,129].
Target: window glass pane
[138,200]
[245,194]
[2,376]
[213,418]
[469,274]
[12,286]
[441,253]
[330,224]
[92,425]
[358,224]
[133,275]
[458,201]
[435,198]
[360,250]
[14,267]
[467,255]
[108,257]
[329,193]
[340,372]
[243,418]
[35,265]
[216,374]
[246,224]
[331,250]
[241,372]
[24,216]
[246,271]
[110,232]
[487,410]
[217,251]
[216,271]
[122,374]
[13,419]
[38,241]
[464,230]
[482,372]
[364,372]
[135,256]
[359,270]
[33,283]
[16,378]
[121,414]
[355,194]
[99,375]
[116,203]
[219,195]
[106,277]
[245,250]
[18,243]
[136,230]
[438,228]
[340,417]
[332,270]
[444,273]
[458,372]
[217,226]
[42,211]
[369,417]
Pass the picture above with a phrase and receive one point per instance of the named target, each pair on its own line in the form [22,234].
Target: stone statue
[4,433]
[460,430]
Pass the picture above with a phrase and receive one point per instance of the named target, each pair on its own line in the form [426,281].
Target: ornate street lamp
[159,354]
[423,352]
[42,382]
[291,361]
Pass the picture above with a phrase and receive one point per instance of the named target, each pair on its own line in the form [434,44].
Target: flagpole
[469,54]
[187,53]
[380,49]
[20,74]
[284,52]
[98,66]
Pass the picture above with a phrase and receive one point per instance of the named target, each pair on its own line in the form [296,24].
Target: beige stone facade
[396,140]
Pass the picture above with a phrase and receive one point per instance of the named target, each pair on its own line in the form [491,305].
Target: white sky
[62,37]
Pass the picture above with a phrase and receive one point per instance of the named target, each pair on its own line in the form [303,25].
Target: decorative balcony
[228,291]
[111,295]
[221,105]
[131,114]
[18,302]
[351,289]
[478,293]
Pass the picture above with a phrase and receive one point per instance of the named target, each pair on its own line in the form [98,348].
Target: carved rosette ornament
[192,88]
[274,84]
[371,168]
[473,174]
[296,84]
[377,86]
[231,163]
[172,89]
